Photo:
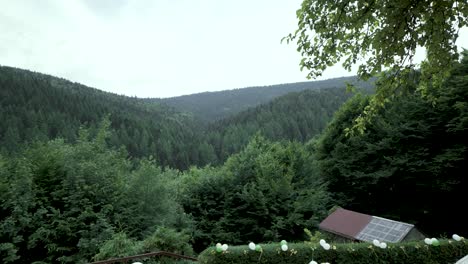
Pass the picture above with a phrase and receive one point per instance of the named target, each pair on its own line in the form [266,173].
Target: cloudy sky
[155,48]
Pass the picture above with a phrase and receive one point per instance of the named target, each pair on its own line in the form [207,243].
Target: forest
[87,175]
[35,106]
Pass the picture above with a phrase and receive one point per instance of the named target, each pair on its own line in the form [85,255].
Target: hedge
[449,251]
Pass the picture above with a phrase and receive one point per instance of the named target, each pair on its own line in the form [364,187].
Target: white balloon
[428,241]
[376,242]
[224,247]
[313,262]
[137,263]
[252,245]
[322,242]
[383,245]
[218,245]
[456,237]
[284,247]
[433,240]
[326,246]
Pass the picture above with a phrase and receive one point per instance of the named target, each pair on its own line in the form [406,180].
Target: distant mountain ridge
[38,107]
[212,106]
[296,116]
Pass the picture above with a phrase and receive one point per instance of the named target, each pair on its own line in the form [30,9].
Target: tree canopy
[384,33]
[267,192]
[410,163]
[61,202]
[381,37]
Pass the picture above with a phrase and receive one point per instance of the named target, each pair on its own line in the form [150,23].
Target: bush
[163,239]
[449,251]
[168,239]
[119,246]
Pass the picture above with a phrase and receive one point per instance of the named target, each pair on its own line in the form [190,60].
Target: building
[346,225]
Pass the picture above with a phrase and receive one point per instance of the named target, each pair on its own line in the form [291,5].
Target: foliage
[266,192]
[314,238]
[67,200]
[213,106]
[449,251]
[163,239]
[409,164]
[118,246]
[63,201]
[149,192]
[38,107]
[382,32]
[168,239]
[381,36]
[295,116]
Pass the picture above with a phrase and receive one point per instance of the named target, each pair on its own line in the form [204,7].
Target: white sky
[156,48]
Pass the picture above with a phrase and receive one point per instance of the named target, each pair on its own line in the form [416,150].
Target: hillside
[35,106]
[296,116]
[212,106]
[77,200]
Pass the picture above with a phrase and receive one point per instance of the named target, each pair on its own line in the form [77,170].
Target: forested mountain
[86,183]
[409,164]
[211,106]
[297,116]
[82,200]
[35,106]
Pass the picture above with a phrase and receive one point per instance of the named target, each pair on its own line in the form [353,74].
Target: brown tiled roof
[345,223]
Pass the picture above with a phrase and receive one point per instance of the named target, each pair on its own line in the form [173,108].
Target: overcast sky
[156,48]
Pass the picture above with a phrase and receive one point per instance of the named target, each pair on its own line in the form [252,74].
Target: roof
[358,226]
[345,223]
[463,260]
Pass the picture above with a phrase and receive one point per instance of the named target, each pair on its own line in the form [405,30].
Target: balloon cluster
[221,248]
[252,246]
[324,244]
[379,244]
[284,245]
[432,241]
[435,242]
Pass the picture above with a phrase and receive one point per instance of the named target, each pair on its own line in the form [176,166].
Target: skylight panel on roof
[384,230]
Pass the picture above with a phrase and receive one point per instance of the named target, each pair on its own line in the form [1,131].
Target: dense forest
[35,106]
[212,106]
[77,184]
[297,116]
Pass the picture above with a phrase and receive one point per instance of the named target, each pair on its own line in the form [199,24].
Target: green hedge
[449,251]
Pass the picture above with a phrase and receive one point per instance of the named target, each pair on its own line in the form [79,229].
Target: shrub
[168,239]
[449,251]
[118,246]
[163,239]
